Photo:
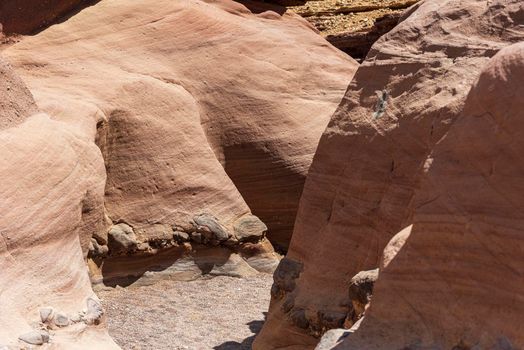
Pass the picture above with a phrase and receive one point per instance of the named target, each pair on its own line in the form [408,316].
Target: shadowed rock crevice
[350,25]
[270,187]
[32,16]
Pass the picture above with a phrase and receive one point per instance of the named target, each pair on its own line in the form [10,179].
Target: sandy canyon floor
[222,313]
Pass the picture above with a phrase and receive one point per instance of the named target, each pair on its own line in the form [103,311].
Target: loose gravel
[221,313]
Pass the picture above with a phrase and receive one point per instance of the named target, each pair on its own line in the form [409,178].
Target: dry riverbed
[222,313]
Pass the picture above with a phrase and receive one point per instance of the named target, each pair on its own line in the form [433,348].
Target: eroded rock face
[195,111]
[467,232]
[361,185]
[49,172]
[204,125]
[353,26]
[16,102]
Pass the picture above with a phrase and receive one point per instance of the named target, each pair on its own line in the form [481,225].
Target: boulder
[122,239]
[61,320]
[97,250]
[360,188]
[46,314]
[211,227]
[249,227]
[360,292]
[181,236]
[94,311]
[332,338]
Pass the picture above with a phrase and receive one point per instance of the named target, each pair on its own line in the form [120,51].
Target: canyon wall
[195,111]
[360,188]
[174,140]
[456,283]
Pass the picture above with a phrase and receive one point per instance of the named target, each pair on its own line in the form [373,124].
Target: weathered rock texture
[52,184]
[465,247]
[351,25]
[198,108]
[26,16]
[360,187]
[360,292]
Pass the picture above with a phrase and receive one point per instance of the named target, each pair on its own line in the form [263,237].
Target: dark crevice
[32,16]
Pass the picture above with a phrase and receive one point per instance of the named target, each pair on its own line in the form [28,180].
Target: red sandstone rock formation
[361,185]
[52,187]
[199,107]
[465,247]
[203,112]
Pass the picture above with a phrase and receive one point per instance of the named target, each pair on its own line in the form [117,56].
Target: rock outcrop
[360,188]
[351,25]
[206,116]
[52,187]
[360,292]
[467,232]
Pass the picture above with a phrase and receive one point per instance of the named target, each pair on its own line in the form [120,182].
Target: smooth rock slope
[52,187]
[360,188]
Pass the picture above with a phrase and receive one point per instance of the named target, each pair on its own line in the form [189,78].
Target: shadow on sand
[254,326]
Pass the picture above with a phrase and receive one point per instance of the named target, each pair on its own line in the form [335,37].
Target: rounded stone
[213,224]
[180,236]
[46,314]
[97,250]
[61,320]
[35,337]
[94,311]
[122,239]
[249,227]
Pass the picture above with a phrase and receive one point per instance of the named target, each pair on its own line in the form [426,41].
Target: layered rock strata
[175,124]
[352,25]
[360,188]
[52,192]
[467,234]
[194,111]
